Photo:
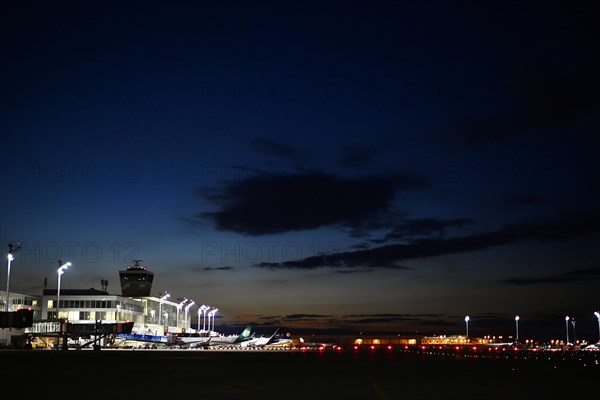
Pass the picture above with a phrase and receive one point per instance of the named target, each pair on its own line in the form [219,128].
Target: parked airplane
[194,340]
[213,341]
[280,342]
[138,337]
[261,341]
[232,340]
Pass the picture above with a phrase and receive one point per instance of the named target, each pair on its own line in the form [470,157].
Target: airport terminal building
[91,307]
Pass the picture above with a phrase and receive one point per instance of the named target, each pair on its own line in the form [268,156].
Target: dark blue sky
[351,165]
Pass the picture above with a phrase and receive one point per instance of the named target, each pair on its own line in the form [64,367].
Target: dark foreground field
[289,375]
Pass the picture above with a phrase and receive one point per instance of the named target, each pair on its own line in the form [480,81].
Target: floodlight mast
[179,306]
[187,308]
[597,314]
[12,248]
[60,271]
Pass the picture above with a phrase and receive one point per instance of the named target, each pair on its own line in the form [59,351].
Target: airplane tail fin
[245,335]
[272,338]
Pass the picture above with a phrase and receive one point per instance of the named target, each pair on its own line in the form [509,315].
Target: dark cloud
[381,222]
[304,317]
[568,227]
[280,203]
[571,276]
[412,229]
[356,157]
[354,271]
[404,267]
[584,273]
[196,268]
[227,268]
[361,246]
[275,149]
[379,318]
[192,222]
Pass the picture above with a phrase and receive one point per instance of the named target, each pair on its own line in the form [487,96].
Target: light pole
[567,326]
[186,314]
[597,314]
[12,248]
[212,314]
[203,308]
[179,309]
[199,316]
[61,270]
[574,332]
[517,324]
[467,323]
[160,301]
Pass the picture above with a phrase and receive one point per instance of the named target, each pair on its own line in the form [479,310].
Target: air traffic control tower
[136,280]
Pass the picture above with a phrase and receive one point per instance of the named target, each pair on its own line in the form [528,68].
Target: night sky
[354,166]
